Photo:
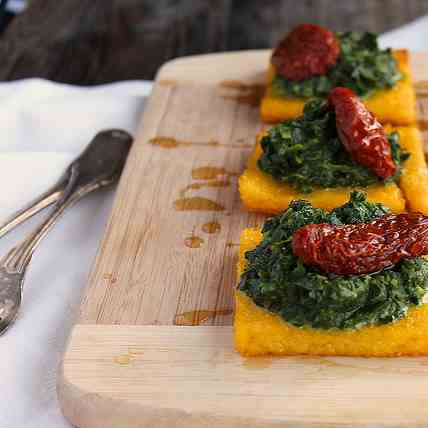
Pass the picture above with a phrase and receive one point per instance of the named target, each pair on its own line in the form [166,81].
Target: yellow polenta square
[262,193]
[259,332]
[414,178]
[395,105]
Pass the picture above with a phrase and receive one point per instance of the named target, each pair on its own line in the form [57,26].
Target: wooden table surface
[98,41]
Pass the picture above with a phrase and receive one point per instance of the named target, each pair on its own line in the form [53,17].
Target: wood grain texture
[144,273]
[158,277]
[126,364]
[190,377]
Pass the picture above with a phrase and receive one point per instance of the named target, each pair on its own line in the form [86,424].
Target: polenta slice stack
[304,158]
[284,307]
[381,77]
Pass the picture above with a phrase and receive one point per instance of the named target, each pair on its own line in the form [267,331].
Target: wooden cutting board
[153,343]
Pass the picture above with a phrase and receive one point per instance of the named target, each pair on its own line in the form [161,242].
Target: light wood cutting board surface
[167,263]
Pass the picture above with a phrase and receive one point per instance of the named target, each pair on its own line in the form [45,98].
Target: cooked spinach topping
[361,66]
[276,280]
[306,152]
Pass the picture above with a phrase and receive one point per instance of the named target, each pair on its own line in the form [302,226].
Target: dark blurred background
[97,41]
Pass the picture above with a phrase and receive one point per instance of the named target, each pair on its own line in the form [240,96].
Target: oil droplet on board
[235,84]
[193,318]
[165,142]
[123,359]
[216,176]
[172,143]
[423,125]
[193,242]
[421,87]
[167,82]
[135,352]
[211,173]
[196,186]
[211,227]
[197,203]
[110,278]
[250,94]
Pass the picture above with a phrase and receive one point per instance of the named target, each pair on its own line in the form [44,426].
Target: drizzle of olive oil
[250,94]
[235,84]
[193,242]
[123,359]
[167,82]
[197,203]
[212,183]
[172,143]
[110,278]
[135,352]
[211,173]
[211,227]
[421,88]
[423,125]
[193,318]
[165,142]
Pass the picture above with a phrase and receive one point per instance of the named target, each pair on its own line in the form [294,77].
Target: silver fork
[98,166]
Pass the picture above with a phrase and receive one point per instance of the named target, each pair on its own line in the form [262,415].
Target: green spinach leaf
[303,296]
[361,66]
[306,152]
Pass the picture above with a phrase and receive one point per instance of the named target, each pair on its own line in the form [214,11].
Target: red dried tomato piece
[361,134]
[308,50]
[356,249]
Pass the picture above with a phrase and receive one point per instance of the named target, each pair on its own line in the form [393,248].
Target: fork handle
[56,194]
[20,256]
[43,201]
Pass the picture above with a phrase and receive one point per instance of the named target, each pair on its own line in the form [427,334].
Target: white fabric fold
[412,36]
[43,126]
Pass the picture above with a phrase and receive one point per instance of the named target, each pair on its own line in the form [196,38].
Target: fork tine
[10,297]
[11,260]
[5,261]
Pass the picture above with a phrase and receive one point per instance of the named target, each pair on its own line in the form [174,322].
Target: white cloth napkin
[43,126]
[413,36]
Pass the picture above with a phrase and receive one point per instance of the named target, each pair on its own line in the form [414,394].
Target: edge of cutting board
[190,377]
[134,376]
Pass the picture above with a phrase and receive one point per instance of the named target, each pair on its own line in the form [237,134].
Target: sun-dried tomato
[361,133]
[308,50]
[356,249]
